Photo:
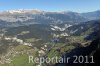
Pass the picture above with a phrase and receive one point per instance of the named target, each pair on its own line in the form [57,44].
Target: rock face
[35,15]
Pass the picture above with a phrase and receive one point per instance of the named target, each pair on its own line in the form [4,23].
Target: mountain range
[25,17]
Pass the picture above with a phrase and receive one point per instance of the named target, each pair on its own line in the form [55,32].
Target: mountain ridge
[23,15]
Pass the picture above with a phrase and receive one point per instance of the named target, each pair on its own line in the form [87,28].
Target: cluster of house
[42,51]
[17,40]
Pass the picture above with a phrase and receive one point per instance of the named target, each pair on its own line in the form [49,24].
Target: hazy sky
[51,5]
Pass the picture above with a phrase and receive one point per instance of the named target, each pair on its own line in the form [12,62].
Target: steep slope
[85,28]
[92,50]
